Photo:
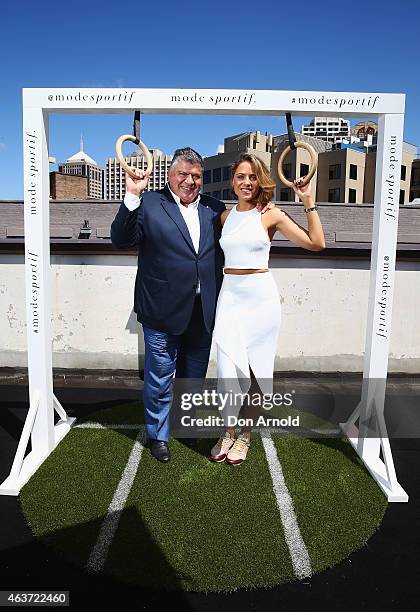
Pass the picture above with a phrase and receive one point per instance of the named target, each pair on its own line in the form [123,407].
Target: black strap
[136,125]
[290,131]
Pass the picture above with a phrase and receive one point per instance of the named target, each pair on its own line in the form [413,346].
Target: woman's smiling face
[245,182]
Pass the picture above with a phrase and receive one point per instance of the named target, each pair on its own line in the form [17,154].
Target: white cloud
[220,149]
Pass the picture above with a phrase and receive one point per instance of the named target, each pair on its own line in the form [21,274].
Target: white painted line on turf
[108,426]
[297,548]
[109,525]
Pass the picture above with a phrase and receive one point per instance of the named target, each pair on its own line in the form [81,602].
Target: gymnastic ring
[129,169]
[314,163]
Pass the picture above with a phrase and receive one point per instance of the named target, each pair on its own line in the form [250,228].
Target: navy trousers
[185,355]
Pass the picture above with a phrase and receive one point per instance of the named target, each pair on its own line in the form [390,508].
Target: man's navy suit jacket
[168,266]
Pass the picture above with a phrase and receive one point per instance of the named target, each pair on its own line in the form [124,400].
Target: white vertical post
[382,276]
[37,274]
[39,423]
[384,243]
[372,433]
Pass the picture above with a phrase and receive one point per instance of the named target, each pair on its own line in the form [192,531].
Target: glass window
[415,176]
[287,171]
[216,194]
[352,196]
[226,173]
[402,196]
[227,194]
[353,172]
[335,172]
[217,175]
[304,169]
[334,195]
[285,195]
[403,172]
[206,177]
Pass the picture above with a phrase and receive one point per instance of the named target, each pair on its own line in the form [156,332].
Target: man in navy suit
[178,279]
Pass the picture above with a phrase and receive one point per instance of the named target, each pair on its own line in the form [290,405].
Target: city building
[80,164]
[68,186]
[115,174]
[345,173]
[366,144]
[364,129]
[363,135]
[331,129]
[409,154]
[217,168]
[341,176]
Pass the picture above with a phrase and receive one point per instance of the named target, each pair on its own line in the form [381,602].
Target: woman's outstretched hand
[302,192]
[136,185]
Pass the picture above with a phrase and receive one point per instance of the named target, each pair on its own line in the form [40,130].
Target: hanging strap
[136,125]
[290,131]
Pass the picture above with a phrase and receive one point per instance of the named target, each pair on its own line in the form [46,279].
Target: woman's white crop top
[244,240]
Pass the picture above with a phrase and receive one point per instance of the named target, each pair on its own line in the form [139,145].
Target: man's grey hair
[187,154]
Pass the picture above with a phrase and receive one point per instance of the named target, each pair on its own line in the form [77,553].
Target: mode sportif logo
[367,102]
[126,96]
[216,99]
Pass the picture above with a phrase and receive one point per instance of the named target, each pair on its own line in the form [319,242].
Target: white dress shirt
[189,213]
[131,201]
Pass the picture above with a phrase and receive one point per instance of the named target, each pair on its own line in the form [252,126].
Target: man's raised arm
[126,229]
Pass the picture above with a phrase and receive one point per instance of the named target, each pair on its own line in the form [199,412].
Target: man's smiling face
[185,180]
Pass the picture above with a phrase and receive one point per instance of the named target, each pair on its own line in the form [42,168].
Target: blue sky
[357,46]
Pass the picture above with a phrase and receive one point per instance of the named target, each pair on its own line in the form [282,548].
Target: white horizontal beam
[214,101]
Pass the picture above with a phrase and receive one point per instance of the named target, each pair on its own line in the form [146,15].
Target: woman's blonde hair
[265,181]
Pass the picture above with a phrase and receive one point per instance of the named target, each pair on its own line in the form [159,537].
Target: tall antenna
[81,142]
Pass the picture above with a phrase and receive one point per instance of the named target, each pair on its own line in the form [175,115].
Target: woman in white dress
[248,313]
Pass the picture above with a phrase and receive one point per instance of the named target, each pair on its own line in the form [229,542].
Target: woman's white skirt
[248,317]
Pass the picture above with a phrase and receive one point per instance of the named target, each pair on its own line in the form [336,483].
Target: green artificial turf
[66,499]
[218,525]
[337,503]
[193,524]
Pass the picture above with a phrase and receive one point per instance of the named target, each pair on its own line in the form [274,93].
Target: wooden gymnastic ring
[129,169]
[312,170]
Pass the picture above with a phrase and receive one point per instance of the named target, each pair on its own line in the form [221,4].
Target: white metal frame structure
[38,103]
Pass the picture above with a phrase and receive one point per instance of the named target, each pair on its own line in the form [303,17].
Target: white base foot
[12,486]
[394,492]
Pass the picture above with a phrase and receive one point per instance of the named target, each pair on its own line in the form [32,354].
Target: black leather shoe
[189,442]
[160,450]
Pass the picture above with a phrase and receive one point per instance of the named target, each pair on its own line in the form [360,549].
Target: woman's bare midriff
[243,271]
